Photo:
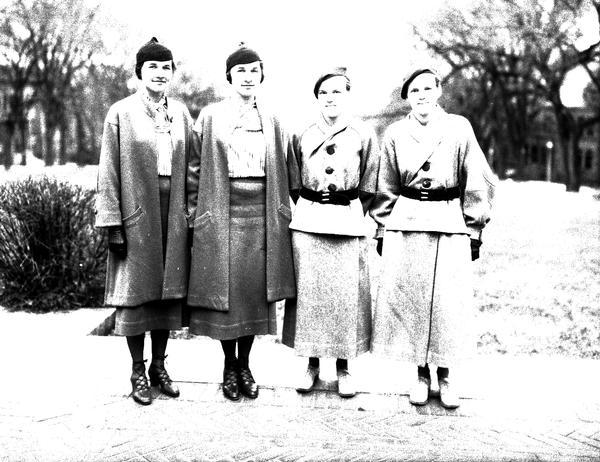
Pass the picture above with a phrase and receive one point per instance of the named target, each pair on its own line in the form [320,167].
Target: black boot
[159,377]
[230,381]
[139,383]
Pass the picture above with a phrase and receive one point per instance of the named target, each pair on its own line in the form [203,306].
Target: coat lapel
[426,142]
[327,132]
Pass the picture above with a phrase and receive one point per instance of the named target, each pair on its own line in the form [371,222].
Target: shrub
[51,258]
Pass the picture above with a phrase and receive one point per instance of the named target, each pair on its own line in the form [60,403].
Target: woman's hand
[117,242]
[475,244]
[380,245]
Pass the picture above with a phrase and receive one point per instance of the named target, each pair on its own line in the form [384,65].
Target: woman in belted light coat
[238,199]
[435,191]
[141,201]
[333,169]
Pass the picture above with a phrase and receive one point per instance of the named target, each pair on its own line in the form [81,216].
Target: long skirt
[331,316]
[249,312]
[425,296]
[159,314]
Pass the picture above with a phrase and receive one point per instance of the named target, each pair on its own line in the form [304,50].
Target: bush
[51,258]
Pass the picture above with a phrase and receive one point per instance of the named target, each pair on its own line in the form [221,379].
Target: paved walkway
[64,398]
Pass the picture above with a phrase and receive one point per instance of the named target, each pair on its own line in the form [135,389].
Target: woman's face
[156,76]
[245,78]
[333,97]
[423,94]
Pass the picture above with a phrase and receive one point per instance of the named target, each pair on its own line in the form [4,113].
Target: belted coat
[425,291]
[334,158]
[448,155]
[128,196]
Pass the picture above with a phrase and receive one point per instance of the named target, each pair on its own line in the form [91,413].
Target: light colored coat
[425,290]
[353,164]
[451,158]
[128,196]
[208,205]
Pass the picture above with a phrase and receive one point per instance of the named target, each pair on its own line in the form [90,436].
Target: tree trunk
[49,145]
[567,148]
[64,138]
[23,140]
[7,155]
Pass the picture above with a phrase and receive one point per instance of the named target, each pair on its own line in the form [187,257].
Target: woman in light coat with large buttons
[435,191]
[333,170]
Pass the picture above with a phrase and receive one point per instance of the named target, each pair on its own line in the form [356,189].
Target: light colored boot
[448,397]
[419,394]
[308,379]
[346,387]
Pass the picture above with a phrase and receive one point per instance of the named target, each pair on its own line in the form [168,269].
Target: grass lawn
[538,281]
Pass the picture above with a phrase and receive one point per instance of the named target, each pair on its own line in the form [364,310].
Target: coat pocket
[132,219]
[203,220]
[285,211]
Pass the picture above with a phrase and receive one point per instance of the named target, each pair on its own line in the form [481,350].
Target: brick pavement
[65,399]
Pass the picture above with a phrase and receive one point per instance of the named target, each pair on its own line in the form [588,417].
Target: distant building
[540,159]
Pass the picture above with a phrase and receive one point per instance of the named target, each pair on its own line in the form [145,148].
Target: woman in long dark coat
[238,199]
[141,201]
[334,172]
[435,189]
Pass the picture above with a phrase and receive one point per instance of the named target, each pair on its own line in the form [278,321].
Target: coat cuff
[380,232]
[108,219]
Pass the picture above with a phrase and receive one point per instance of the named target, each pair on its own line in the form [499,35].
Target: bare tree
[525,49]
[17,53]
[69,40]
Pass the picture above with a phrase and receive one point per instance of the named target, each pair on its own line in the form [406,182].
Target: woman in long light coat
[238,200]
[333,168]
[141,201]
[435,191]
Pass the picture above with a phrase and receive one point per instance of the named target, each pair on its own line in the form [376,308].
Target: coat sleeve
[193,169]
[108,197]
[294,165]
[388,184]
[477,183]
[369,167]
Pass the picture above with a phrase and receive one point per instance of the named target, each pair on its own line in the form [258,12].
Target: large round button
[330,149]
[427,184]
[329,170]
[426,166]
[332,187]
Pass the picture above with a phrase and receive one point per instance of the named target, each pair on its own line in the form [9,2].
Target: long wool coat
[425,288]
[208,206]
[128,196]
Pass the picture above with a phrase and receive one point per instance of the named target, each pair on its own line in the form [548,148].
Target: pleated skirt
[159,314]
[424,300]
[249,312]
[331,316]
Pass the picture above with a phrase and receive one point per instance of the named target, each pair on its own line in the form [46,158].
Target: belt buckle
[325,197]
[423,195]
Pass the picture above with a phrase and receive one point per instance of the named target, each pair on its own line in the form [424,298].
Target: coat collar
[427,137]
[327,132]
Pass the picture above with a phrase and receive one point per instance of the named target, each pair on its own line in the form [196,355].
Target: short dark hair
[138,69]
[262,73]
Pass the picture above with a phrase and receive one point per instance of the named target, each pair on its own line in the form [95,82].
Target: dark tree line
[52,57]
[509,60]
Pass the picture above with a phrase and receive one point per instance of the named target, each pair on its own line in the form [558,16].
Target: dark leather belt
[430,194]
[330,197]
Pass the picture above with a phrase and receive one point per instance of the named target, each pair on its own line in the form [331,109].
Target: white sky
[296,40]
